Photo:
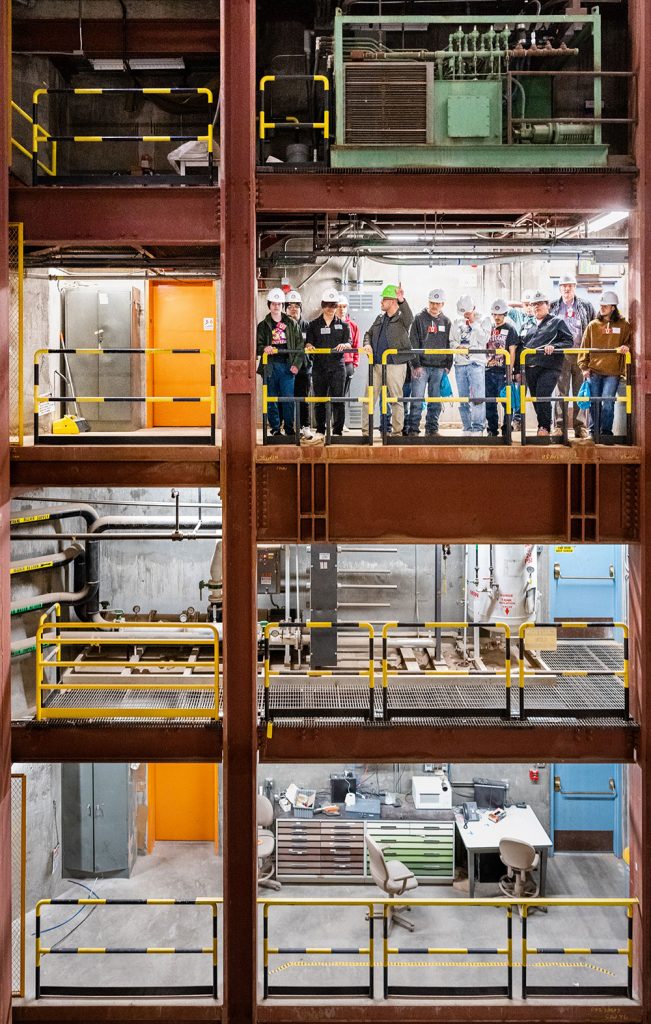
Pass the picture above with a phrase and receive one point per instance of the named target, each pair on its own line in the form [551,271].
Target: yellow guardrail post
[507,663]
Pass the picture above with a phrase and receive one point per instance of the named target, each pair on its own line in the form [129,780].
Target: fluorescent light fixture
[607,220]
[107,64]
[156,63]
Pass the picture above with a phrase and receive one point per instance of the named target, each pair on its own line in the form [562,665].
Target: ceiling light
[607,220]
[106,64]
[156,63]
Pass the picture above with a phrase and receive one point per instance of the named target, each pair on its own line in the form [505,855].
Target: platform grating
[149,700]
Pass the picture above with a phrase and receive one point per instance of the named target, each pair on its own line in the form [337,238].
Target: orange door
[182,803]
[182,314]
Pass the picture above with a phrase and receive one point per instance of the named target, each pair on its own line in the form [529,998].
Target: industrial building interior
[323,667]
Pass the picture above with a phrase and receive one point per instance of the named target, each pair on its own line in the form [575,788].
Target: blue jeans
[602,413]
[495,381]
[430,381]
[470,379]
[281,383]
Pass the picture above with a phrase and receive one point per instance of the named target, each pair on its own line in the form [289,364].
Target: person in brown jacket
[608,337]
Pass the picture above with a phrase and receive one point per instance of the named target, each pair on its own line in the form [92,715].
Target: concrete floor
[189,870]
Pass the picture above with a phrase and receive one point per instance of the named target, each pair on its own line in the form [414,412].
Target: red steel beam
[129,215]
[31,743]
[115,466]
[496,1012]
[640,555]
[446,191]
[238,75]
[104,37]
[5,658]
[461,742]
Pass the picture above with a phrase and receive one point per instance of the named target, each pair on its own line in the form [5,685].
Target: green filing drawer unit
[427,848]
[331,849]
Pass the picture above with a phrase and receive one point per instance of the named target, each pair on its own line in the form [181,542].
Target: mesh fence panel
[16,428]
[18,794]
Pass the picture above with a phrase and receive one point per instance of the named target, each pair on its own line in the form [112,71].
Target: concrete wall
[397,779]
[43,867]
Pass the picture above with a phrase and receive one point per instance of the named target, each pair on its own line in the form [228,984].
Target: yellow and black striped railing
[209,399]
[39,134]
[585,710]
[210,950]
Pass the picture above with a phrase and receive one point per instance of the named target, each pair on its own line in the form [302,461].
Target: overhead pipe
[45,562]
[36,604]
[54,513]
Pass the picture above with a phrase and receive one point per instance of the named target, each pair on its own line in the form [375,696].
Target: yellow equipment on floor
[70,425]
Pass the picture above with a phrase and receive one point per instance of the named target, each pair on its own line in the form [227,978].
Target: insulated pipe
[35,604]
[53,514]
[46,561]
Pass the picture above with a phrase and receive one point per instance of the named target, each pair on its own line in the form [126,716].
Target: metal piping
[35,604]
[46,562]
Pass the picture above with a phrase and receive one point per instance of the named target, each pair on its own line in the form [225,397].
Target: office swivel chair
[521,860]
[266,843]
[394,878]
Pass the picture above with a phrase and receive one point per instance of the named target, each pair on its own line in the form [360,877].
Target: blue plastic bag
[585,393]
[515,397]
[446,388]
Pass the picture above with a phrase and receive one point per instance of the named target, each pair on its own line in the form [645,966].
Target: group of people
[424,349]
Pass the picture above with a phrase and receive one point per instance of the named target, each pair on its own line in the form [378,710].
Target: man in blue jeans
[279,337]
[430,329]
[503,336]
[471,330]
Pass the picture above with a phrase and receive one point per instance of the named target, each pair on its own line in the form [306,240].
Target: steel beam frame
[104,37]
[115,466]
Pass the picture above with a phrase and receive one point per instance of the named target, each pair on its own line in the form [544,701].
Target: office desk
[484,836]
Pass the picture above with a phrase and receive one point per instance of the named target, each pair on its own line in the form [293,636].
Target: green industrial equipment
[482,93]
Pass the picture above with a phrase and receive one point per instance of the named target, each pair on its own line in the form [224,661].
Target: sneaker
[306,433]
[580,433]
[431,433]
[557,432]
[276,433]
[492,433]
[542,432]
[467,433]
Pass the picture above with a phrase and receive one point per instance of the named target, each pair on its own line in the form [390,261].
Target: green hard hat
[390,292]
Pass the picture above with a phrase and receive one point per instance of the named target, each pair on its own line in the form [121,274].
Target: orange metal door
[182,314]
[182,803]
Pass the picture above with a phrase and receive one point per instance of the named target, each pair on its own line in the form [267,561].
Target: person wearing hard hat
[351,356]
[548,337]
[527,323]
[328,331]
[303,379]
[608,337]
[577,314]
[390,330]
[279,337]
[503,335]
[430,329]
[470,330]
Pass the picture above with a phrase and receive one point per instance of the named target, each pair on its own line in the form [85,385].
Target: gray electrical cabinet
[94,318]
[323,598]
[98,820]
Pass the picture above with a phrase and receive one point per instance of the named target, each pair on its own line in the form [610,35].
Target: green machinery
[500,93]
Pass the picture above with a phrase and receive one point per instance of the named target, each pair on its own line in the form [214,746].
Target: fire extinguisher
[534,774]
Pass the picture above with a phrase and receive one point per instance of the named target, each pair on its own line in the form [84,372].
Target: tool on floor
[68,424]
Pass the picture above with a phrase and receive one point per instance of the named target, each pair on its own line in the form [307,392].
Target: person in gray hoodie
[471,330]
[390,330]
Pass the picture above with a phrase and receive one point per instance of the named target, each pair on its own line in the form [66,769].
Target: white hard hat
[276,295]
[609,298]
[567,279]
[539,296]
[330,295]
[499,306]
[293,296]
[528,295]
[436,295]
[465,304]
[342,300]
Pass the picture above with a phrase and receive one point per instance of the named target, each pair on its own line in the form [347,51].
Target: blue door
[587,808]
[586,581]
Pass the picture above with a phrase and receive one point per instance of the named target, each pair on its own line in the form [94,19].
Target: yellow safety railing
[505,950]
[584,709]
[43,136]
[37,136]
[443,673]
[208,950]
[58,635]
[293,121]
[366,673]
[367,399]
[18,879]
[210,399]
[626,398]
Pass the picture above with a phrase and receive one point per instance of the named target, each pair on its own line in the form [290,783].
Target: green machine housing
[470,103]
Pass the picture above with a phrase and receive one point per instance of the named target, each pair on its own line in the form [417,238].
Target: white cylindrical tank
[502,583]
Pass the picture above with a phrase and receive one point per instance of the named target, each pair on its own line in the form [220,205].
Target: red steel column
[640,562]
[237,186]
[5,660]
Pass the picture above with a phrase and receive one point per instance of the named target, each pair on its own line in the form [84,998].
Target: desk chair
[394,878]
[521,860]
[266,843]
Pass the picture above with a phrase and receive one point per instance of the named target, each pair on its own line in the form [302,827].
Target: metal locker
[98,820]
